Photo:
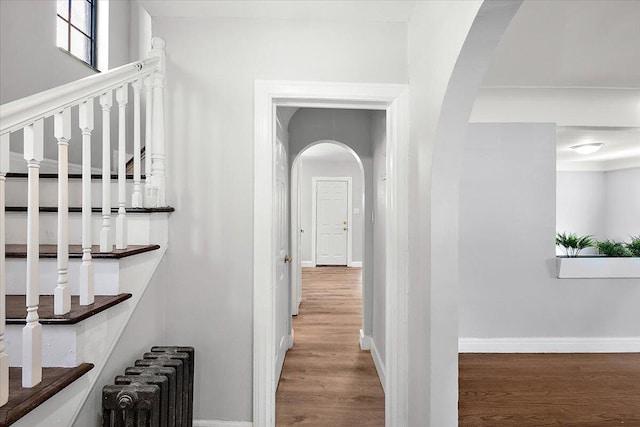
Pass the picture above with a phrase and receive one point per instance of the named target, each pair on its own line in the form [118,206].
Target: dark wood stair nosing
[94,176]
[75,251]
[77,209]
[24,400]
[15,304]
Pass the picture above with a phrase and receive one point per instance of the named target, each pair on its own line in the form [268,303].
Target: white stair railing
[27,115]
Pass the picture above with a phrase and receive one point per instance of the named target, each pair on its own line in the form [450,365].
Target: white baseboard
[365,341]
[378,362]
[356,264]
[307,264]
[291,338]
[217,423]
[549,345]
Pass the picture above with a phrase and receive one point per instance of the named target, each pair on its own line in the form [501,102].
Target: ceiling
[621,148]
[345,11]
[575,44]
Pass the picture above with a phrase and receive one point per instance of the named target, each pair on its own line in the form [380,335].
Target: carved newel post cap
[158,43]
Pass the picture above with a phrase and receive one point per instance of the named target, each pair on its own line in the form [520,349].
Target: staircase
[77,251]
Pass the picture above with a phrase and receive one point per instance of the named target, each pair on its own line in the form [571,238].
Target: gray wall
[312,167]
[212,66]
[507,256]
[379,138]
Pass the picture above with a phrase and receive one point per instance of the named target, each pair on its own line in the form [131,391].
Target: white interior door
[331,222]
[282,261]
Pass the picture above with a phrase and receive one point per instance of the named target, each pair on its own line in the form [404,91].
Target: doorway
[386,97]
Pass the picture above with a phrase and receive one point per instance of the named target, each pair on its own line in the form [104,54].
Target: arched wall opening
[321,159]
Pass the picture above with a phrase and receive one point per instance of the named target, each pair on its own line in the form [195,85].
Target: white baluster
[136,198]
[32,332]
[158,155]
[62,132]
[86,268]
[122,96]
[4,358]
[106,101]
[149,193]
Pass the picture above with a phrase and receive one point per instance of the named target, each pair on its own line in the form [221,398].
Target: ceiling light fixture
[587,148]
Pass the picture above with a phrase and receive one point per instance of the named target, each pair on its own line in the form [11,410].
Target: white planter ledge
[597,268]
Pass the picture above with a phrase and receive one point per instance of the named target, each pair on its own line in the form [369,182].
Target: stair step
[16,312]
[24,400]
[77,209]
[75,251]
[71,175]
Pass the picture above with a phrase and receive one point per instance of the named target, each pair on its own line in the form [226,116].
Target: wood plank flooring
[587,390]
[327,380]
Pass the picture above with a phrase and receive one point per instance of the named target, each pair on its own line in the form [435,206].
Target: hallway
[327,380]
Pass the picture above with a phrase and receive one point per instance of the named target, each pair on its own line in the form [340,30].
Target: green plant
[612,248]
[634,246]
[572,243]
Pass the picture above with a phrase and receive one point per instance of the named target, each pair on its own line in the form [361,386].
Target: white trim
[597,267]
[377,361]
[365,341]
[550,345]
[314,197]
[356,264]
[219,423]
[394,99]
[307,264]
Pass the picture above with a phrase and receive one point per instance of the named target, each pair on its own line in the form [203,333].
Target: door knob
[287,258]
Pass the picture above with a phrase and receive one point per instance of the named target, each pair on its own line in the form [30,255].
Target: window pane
[80,45]
[62,32]
[81,15]
[63,8]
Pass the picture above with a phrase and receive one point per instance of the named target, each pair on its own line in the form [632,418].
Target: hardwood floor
[587,390]
[327,380]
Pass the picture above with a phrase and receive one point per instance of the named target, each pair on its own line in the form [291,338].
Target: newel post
[158,133]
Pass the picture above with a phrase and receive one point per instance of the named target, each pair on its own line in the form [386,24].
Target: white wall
[212,66]
[622,203]
[603,204]
[312,167]
[379,139]
[507,200]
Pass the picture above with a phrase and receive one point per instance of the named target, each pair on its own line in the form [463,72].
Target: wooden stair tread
[24,400]
[75,251]
[94,176]
[95,210]
[16,311]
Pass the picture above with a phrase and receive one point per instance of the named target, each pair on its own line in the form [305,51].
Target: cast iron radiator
[156,392]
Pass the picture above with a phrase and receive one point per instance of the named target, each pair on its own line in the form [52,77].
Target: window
[76,25]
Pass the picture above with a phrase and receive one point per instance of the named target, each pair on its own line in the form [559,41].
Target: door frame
[314,214]
[392,98]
